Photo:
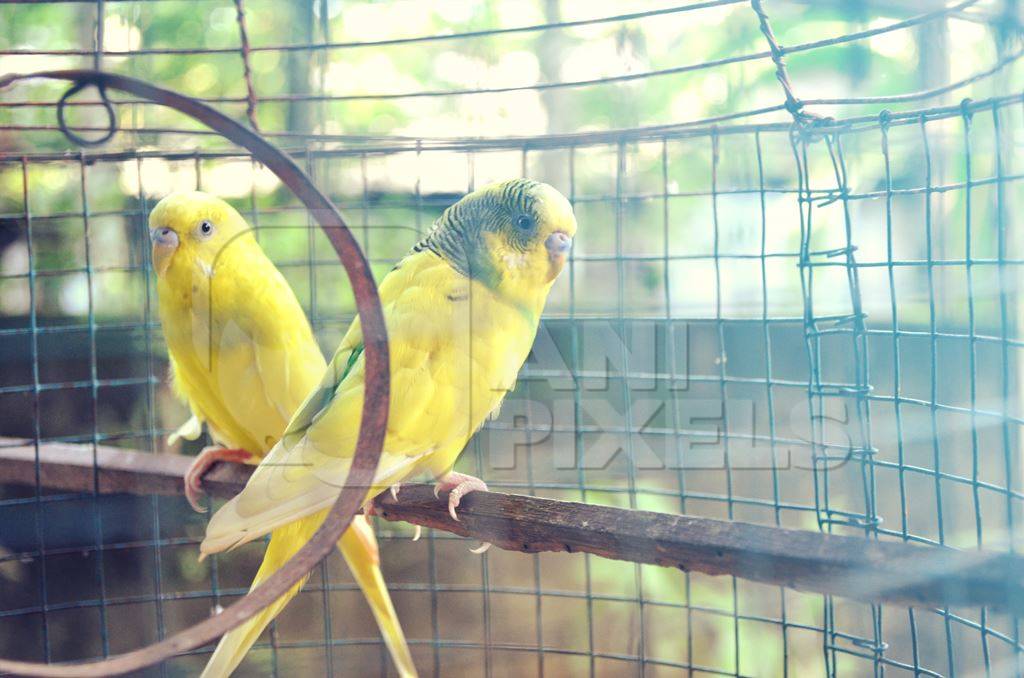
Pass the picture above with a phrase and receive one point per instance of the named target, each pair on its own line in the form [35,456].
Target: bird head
[192,230]
[513,236]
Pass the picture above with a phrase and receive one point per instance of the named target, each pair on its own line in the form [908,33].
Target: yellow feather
[244,357]
[456,346]
[460,324]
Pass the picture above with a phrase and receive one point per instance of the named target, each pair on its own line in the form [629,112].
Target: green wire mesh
[808,323]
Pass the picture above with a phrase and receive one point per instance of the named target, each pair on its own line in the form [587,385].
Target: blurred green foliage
[670,228]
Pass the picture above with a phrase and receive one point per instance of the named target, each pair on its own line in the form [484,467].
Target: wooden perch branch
[861,569]
[63,466]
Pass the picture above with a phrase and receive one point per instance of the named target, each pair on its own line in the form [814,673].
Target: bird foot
[458,485]
[201,464]
[370,508]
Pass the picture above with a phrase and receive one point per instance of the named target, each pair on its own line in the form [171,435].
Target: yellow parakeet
[461,312]
[244,358]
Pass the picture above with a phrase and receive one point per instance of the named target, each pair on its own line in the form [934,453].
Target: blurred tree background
[694,232]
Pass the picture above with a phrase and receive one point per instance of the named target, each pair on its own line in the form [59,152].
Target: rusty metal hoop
[375,408]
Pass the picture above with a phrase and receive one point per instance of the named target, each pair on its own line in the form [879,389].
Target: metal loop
[372,425]
[965,109]
[794,106]
[107,105]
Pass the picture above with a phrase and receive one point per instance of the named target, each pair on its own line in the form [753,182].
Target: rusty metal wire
[373,418]
[243,34]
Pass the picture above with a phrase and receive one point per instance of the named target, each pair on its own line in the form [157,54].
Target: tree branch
[867,570]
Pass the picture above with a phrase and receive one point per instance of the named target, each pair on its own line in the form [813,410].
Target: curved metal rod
[375,407]
[108,107]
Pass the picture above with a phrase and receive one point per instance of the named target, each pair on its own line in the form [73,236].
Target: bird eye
[524,222]
[205,228]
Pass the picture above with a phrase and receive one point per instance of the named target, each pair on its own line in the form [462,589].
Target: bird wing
[451,362]
[319,399]
[304,472]
[267,358]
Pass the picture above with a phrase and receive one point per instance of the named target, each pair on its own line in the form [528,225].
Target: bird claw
[482,549]
[394,490]
[418,533]
[199,467]
[458,485]
[194,488]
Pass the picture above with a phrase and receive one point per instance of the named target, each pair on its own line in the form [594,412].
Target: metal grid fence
[809,322]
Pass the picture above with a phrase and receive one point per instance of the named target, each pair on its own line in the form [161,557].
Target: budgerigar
[244,358]
[461,310]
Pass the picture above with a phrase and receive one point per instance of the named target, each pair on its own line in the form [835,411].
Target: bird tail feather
[359,547]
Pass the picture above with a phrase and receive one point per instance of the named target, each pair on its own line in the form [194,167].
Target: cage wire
[802,314]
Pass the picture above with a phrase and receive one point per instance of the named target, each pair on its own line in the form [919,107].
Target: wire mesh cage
[788,304]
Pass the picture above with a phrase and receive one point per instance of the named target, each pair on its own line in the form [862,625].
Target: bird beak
[558,245]
[165,243]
